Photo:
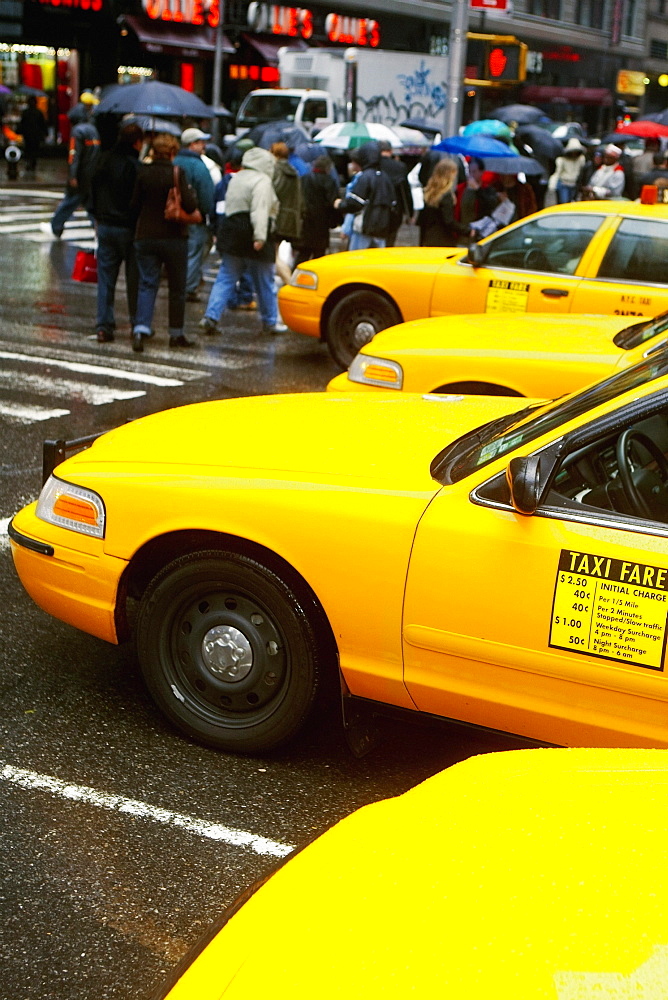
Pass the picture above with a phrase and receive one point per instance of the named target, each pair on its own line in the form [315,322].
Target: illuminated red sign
[563,54]
[183,11]
[78,4]
[295,22]
[497,62]
[352,30]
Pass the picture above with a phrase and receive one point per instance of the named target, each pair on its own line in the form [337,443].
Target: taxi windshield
[498,437]
[638,333]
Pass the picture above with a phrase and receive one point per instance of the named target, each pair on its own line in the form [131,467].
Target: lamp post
[350,60]
[459,26]
[218,68]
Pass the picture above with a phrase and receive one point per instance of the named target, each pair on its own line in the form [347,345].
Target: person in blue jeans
[84,149]
[112,187]
[245,242]
[160,241]
[189,160]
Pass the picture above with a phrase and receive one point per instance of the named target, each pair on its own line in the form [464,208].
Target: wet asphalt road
[99,895]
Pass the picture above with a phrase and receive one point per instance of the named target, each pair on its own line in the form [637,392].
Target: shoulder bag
[174,210]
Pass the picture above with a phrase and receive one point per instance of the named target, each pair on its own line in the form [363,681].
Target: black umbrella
[283,131]
[154,98]
[522,114]
[427,125]
[536,141]
[513,165]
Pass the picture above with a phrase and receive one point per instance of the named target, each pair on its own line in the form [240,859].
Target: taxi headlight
[70,506]
[376,371]
[304,279]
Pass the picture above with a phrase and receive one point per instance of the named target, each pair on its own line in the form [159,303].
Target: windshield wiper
[631,336]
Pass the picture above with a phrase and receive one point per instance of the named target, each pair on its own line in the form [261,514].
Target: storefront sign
[78,4]
[179,11]
[630,81]
[352,30]
[295,22]
[563,54]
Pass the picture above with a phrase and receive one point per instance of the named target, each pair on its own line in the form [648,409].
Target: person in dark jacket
[371,198]
[189,160]
[321,197]
[160,241]
[33,128]
[288,188]
[398,174]
[437,222]
[112,187]
[82,158]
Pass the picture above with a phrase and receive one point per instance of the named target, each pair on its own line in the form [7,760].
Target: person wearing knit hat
[609,180]
[567,170]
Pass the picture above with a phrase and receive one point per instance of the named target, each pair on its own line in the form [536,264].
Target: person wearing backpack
[371,199]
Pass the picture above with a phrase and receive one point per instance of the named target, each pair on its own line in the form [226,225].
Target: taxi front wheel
[227,651]
[356,320]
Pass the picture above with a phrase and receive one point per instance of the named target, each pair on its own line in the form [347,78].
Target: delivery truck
[391,87]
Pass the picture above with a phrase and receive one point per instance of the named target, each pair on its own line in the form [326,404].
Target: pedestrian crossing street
[40,383]
[26,214]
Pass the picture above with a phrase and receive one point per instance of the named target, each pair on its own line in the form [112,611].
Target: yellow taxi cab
[529,355]
[608,257]
[495,561]
[532,874]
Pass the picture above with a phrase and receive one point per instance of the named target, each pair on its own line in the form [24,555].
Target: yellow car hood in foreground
[524,875]
[309,434]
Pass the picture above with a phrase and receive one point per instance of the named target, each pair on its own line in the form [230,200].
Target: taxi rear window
[498,437]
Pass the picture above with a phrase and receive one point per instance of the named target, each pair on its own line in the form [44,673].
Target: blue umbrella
[153,98]
[474,145]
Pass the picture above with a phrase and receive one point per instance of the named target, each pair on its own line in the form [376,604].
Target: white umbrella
[350,135]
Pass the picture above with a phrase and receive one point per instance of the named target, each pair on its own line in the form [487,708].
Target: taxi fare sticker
[610,608]
[507,296]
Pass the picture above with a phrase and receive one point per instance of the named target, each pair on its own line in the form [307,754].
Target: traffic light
[495,60]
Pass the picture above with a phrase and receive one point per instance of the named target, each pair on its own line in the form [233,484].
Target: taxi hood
[379,437]
[581,336]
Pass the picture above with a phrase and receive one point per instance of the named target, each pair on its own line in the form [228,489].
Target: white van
[312,109]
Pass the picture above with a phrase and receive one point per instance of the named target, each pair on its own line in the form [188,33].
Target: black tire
[227,651]
[356,320]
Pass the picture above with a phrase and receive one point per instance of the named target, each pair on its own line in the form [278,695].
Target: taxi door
[530,267]
[537,625]
[627,274]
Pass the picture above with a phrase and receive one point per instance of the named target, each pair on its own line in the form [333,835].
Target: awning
[269,49]
[186,40]
[537,94]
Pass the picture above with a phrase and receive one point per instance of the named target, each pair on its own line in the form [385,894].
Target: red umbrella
[643,129]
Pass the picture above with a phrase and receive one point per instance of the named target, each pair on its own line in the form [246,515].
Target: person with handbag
[165,205]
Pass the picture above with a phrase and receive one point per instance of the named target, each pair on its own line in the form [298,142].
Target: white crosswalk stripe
[39,383]
[31,221]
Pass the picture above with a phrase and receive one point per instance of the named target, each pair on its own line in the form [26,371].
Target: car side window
[638,252]
[623,472]
[314,110]
[553,243]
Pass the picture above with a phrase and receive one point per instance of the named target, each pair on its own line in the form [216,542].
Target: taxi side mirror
[477,255]
[523,476]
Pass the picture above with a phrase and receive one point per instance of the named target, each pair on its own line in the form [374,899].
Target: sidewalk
[51,174]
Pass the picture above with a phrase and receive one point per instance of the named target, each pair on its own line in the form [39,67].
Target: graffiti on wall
[415,95]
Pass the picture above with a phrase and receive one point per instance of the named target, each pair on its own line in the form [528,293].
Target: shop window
[658,49]
[590,13]
[546,8]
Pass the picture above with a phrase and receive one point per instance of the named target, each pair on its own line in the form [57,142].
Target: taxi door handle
[554,293]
